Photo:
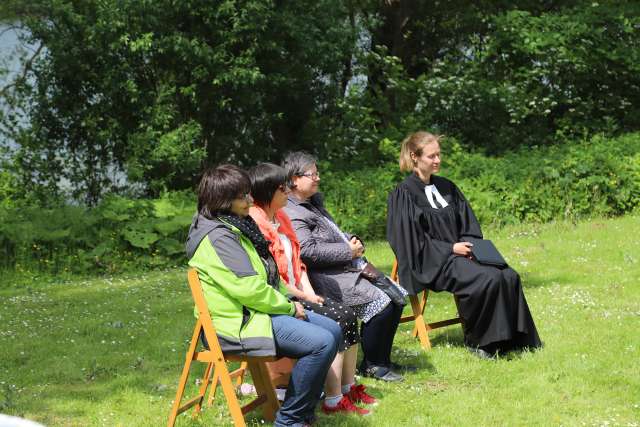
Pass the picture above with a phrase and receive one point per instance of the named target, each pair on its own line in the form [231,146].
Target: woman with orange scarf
[269,191]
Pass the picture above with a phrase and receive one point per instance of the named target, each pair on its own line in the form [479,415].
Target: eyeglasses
[314,175]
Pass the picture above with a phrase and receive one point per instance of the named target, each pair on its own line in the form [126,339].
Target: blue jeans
[314,342]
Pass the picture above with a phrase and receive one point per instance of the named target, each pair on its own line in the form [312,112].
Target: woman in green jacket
[246,297]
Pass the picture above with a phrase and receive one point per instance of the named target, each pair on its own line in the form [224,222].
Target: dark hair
[218,187]
[265,180]
[296,163]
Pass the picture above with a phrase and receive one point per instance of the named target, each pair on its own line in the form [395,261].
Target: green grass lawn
[108,351]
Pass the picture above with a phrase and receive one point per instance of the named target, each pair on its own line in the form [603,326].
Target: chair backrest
[203,309]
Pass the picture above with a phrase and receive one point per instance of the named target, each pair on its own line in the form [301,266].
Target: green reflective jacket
[234,282]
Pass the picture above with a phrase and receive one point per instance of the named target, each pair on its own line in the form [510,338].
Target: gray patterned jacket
[326,254]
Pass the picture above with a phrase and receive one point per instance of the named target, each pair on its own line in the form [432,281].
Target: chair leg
[214,385]
[238,373]
[185,374]
[206,380]
[264,387]
[420,327]
[179,393]
[242,369]
[457,300]
[423,304]
[230,394]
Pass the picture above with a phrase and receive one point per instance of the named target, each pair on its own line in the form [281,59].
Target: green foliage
[496,76]
[358,200]
[151,91]
[135,97]
[372,111]
[8,189]
[536,76]
[119,234]
[597,177]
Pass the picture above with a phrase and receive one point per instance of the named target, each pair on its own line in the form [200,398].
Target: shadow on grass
[413,358]
[537,281]
[452,336]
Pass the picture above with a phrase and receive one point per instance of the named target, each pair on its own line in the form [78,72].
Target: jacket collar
[317,200]
[415,185]
[200,228]
[416,179]
[294,200]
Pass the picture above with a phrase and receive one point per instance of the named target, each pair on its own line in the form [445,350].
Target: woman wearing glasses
[269,191]
[246,297]
[335,266]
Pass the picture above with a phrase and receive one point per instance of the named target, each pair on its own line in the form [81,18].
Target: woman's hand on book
[462,248]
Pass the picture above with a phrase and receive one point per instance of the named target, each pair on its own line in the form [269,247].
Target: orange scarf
[275,245]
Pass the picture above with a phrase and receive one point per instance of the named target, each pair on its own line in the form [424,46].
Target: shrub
[117,235]
[598,177]
[570,181]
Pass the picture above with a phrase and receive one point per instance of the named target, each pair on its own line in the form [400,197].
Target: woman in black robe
[428,223]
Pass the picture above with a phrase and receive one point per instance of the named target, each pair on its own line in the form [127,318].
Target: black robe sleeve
[469,225]
[420,258]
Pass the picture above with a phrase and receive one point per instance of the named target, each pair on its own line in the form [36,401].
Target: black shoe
[381,373]
[481,353]
[406,368]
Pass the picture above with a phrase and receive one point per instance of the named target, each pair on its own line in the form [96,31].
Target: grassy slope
[109,351]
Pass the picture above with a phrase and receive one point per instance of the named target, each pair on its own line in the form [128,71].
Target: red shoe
[358,395]
[345,405]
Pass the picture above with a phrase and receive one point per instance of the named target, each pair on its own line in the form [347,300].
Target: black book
[485,252]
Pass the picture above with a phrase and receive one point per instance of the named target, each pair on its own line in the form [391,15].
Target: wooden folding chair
[421,328]
[216,363]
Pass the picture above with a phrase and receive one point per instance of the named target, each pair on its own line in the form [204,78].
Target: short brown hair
[218,187]
[414,143]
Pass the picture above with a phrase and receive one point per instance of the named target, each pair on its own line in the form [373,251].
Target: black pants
[378,334]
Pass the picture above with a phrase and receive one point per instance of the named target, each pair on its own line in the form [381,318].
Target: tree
[497,75]
[154,90]
[136,96]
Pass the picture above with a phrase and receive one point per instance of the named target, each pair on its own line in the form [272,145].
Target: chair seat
[241,358]
[209,356]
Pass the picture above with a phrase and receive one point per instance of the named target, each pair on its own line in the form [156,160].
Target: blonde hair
[414,143]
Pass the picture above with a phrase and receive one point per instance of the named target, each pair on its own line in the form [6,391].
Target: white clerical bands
[431,191]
